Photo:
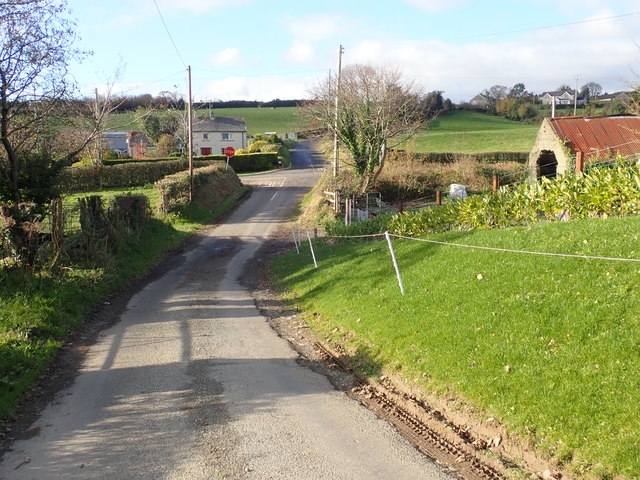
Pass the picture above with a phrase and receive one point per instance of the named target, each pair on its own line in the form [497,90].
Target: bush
[605,191]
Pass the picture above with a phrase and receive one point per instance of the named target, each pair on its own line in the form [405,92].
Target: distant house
[137,144]
[623,97]
[561,140]
[480,101]
[212,135]
[563,97]
[116,141]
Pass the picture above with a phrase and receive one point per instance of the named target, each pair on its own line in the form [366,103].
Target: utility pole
[96,113]
[190,136]
[335,132]
[575,99]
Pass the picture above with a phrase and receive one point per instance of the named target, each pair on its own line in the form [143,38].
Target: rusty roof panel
[600,136]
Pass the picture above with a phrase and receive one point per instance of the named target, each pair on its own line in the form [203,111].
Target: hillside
[545,345]
[463,131]
[258,120]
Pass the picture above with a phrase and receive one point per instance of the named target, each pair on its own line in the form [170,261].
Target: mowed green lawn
[471,132]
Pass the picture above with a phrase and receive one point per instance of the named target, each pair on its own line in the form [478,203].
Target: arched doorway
[547,164]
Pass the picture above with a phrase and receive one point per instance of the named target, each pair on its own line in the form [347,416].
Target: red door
[205,151]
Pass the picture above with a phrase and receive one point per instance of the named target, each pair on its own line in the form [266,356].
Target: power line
[548,27]
[169,34]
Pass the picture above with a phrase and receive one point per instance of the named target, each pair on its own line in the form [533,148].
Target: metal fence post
[395,263]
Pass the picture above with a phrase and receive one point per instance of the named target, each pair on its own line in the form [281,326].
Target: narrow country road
[191,383]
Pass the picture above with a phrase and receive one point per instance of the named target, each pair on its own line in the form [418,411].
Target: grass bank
[463,131]
[547,345]
[40,311]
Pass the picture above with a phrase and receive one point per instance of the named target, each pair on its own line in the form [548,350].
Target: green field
[258,120]
[547,345]
[471,132]
[460,131]
[261,120]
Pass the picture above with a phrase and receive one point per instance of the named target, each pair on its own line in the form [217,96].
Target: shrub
[604,191]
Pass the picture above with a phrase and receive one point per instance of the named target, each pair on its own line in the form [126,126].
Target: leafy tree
[36,48]
[166,145]
[376,112]
[156,123]
[432,104]
[564,88]
[517,91]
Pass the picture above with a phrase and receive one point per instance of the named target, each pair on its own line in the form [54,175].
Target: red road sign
[229,151]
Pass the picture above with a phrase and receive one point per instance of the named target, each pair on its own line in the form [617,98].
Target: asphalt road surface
[191,382]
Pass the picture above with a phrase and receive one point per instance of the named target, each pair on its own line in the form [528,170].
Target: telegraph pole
[335,132]
[575,99]
[190,135]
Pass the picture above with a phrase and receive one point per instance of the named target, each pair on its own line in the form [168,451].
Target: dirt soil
[443,429]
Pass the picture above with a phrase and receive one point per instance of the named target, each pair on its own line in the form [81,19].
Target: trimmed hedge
[80,179]
[248,162]
[482,157]
[212,185]
[254,162]
[136,173]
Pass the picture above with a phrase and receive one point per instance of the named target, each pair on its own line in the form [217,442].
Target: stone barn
[564,144]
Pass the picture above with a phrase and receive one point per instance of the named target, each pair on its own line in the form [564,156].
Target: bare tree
[377,111]
[494,94]
[591,89]
[36,48]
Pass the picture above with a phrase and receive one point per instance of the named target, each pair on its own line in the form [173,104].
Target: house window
[205,136]
[222,151]
[226,136]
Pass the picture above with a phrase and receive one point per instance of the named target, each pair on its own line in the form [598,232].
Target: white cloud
[256,88]
[317,27]
[300,52]
[228,57]
[436,6]
[541,60]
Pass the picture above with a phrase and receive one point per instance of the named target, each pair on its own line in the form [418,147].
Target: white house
[212,135]
[563,97]
[480,101]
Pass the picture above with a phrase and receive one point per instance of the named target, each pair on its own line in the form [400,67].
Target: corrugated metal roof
[600,136]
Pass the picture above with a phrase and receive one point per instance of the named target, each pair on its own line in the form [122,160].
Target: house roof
[600,136]
[219,124]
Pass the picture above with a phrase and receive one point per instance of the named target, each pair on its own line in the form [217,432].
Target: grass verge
[40,311]
[549,346]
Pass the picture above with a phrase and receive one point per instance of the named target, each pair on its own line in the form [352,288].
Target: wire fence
[386,236]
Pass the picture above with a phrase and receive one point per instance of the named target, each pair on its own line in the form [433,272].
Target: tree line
[131,103]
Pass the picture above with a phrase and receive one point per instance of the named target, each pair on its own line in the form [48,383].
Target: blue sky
[261,50]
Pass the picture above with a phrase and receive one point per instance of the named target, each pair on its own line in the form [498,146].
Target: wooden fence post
[495,182]
[579,161]
[438,197]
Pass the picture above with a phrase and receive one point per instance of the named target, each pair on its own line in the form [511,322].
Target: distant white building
[563,97]
[480,101]
[212,135]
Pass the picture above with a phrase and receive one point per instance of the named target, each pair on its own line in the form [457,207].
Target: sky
[263,50]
